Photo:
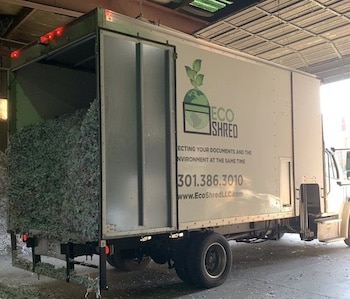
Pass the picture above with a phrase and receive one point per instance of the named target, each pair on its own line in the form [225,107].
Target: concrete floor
[285,269]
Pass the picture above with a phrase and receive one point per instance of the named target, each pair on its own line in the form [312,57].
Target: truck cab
[337,174]
[337,191]
[331,221]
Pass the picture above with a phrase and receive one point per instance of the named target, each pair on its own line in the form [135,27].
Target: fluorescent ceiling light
[162,1]
[210,5]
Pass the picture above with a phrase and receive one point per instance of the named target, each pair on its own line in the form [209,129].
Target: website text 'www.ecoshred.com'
[208,195]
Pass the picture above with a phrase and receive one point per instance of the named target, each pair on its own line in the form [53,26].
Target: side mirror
[347,166]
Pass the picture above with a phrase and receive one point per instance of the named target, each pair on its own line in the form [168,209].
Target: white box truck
[195,145]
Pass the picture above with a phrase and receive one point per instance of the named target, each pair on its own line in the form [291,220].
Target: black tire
[124,260]
[181,263]
[276,236]
[182,271]
[209,260]
[347,241]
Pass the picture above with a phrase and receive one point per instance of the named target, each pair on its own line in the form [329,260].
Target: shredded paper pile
[54,169]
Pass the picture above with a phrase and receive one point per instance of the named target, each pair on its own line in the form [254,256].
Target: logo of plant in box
[196,105]
[199,116]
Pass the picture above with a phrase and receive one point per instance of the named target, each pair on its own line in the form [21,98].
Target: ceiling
[310,35]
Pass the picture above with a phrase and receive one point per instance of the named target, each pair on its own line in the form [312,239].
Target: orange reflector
[50,35]
[107,250]
[24,238]
[14,54]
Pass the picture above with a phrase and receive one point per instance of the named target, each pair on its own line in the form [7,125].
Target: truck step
[328,228]
[332,240]
[329,219]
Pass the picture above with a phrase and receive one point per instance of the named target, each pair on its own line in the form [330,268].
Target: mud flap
[310,209]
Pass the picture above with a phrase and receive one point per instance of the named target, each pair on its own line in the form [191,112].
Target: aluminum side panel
[233,149]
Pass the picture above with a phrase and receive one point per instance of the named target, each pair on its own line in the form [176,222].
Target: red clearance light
[24,238]
[51,35]
[14,54]
[107,250]
[109,15]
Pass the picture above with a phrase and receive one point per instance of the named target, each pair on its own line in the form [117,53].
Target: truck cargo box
[217,150]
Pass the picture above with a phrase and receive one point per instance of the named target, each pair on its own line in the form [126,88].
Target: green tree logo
[196,104]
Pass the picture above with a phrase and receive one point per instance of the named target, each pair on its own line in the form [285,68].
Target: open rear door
[138,136]
[308,150]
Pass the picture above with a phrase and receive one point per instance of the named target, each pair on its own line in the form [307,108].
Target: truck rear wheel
[209,260]
[347,240]
[125,260]
[181,260]
[182,270]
